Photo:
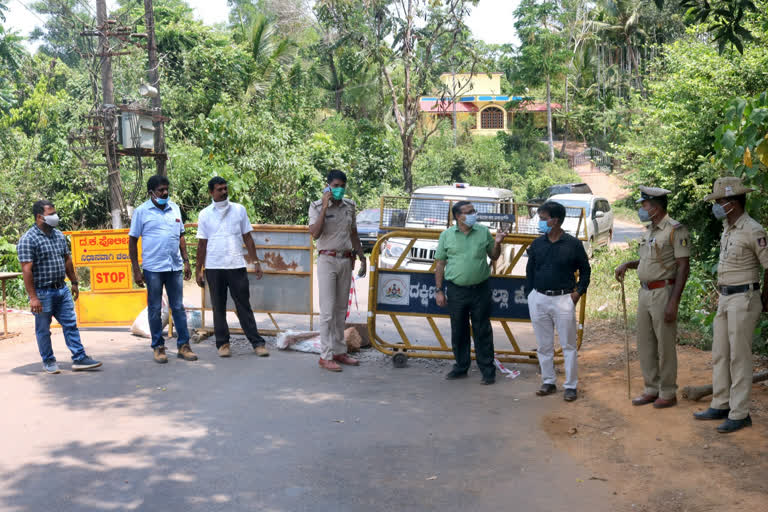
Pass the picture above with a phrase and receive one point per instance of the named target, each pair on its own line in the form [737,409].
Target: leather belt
[652,285]
[555,293]
[741,288]
[52,286]
[469,286]
[338,254]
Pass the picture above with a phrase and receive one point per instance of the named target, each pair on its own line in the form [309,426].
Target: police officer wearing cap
[742,252]
[332,224]
[663,270]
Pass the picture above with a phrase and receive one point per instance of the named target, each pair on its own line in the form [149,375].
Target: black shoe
[730,425]
[546,389]
[712,414]
[453,375]
[487,381]
[85,363]
[570,395]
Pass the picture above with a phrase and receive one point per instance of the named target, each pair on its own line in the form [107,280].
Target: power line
[33,13]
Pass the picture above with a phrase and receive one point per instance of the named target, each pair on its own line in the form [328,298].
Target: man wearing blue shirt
[164,253]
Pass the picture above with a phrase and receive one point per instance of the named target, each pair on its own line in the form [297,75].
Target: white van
[425,212]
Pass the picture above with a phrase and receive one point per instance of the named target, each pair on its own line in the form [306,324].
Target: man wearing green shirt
[462,262]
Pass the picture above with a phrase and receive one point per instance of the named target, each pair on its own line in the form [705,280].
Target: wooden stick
[696,393]
[626,340]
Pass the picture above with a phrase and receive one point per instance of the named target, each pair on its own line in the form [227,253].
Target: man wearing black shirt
[552,291]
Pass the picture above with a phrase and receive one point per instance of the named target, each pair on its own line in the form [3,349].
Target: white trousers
[548,313]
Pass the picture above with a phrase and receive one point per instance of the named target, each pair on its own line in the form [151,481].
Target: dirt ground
[609,186]
[660,460]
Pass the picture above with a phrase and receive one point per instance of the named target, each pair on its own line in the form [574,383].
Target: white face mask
[51,220]
[221,204]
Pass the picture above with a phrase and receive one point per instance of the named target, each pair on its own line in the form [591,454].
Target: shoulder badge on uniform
[761,241]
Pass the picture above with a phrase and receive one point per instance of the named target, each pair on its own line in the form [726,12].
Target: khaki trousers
[656,343]
[735,322]
[334,279]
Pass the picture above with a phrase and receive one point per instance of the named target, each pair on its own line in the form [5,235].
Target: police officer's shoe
[570,394]
[546,389]
[329,364]
[453,375]
[712,414]
[644,399]
[663,403]
[730,425]
[487,381]
[346,359]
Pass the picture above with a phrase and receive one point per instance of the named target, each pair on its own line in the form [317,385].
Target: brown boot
[160,356]
[346,359]
[185,353]
[663,403]
[644,399]
[224,350]
[261,351]
[329,365]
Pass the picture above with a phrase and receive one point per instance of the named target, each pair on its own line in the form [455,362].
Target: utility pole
[108,110]
[153,75]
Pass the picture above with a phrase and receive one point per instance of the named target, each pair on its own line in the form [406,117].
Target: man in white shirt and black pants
[222,228]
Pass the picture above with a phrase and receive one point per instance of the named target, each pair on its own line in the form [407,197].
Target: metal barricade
[404,285]
[287,287]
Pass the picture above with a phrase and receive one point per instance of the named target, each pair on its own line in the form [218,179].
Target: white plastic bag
[140,326]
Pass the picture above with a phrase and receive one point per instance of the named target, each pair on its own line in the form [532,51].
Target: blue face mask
[644,215]
[161,201]
[470,219]
[544,227]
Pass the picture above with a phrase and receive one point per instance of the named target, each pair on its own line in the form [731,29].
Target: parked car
[565,188]
[598,214]
[368,227]
[428,208]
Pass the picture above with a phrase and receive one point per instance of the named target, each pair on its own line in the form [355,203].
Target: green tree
[543,51]
[411,43]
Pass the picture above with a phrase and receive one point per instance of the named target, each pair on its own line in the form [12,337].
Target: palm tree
[269,51]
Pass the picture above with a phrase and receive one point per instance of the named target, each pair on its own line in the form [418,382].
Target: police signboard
[112,300]
[414,292]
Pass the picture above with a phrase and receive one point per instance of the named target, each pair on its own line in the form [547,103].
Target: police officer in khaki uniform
[332,223]
[742,252]
[663,270]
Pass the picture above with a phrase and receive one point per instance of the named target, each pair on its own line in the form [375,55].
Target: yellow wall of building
[479,84]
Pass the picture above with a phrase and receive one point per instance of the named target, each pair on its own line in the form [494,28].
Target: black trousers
[473,303]
[236,280]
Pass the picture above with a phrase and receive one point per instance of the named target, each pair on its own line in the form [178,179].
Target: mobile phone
[326,189]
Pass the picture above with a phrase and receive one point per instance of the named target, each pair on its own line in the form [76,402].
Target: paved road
[623,231]
[275,435]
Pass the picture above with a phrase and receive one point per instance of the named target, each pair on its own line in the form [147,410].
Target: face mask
[470,219]
[338,193]
[51,220]
[718,210]
[160,200]
[544,227]
[221,204]
[644,215]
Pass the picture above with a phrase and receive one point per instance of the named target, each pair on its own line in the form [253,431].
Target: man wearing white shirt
[222,228]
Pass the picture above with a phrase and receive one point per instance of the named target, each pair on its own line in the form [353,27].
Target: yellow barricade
[396,291]
[112,300]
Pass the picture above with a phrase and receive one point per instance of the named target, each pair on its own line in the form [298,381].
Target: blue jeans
[174,287]
[57,303]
